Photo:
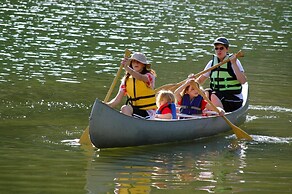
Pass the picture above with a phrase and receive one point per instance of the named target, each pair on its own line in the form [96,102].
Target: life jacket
[223,78]
[172,108]
[139,95]
[191,107]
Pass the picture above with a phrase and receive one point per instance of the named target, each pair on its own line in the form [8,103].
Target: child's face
[162,102]
[137,66]
[192,92]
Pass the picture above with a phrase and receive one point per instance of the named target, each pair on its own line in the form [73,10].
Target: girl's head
[139,63]
[164,96]
[192,92]
[138,66]
[221,46]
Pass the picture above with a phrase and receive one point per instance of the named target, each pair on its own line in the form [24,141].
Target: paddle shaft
[240,134]
[85,138]
[239,54]
[127,54]
[173,87]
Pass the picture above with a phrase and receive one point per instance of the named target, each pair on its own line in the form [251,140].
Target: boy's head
[165,96]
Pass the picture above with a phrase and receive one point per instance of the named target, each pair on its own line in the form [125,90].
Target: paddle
[240,134]
[174,86]
[85,139]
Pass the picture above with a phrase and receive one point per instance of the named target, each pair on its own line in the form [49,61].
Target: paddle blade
[85,139]
[240,134]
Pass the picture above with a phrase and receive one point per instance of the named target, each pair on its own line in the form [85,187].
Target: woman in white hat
[138,86]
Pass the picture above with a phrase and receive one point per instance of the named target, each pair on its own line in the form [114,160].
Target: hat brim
[143,62]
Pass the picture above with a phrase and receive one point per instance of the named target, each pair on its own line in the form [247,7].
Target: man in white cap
[225,81]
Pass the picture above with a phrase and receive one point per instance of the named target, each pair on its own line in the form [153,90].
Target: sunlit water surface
[57,57]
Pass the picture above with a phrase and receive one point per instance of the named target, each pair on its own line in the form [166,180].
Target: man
[225,81]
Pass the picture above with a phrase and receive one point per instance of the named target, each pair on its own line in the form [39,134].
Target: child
[191,102]
[165,102]
[138,86]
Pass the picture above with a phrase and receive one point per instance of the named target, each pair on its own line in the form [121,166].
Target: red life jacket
[171,106]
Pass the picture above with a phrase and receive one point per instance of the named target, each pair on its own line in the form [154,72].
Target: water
[57,57]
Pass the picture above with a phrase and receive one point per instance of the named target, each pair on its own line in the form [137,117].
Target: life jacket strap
[190,107]
[141,97]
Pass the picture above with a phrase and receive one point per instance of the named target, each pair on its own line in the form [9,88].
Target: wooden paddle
[240,134]
[127,54]
[85,138]
[174,86]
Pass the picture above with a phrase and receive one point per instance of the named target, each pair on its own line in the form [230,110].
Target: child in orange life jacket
[191,102]
[165,102]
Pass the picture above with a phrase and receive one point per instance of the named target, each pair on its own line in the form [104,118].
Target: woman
[225,81]
[138,86]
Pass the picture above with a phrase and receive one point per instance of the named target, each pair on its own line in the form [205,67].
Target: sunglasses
[220,48]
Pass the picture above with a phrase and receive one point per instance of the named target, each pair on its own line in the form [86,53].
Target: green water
[56,57]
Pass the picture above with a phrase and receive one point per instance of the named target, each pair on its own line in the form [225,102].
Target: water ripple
[45,30]
[267,139]
[270,108]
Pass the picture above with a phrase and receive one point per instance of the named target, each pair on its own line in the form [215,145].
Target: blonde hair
[165,94]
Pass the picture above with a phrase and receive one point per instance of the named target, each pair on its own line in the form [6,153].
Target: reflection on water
[212,165]
[195,166]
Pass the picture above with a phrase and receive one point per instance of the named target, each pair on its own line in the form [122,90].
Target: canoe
[108,128]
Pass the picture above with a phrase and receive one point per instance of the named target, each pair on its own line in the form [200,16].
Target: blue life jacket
[172,108]
[191,107]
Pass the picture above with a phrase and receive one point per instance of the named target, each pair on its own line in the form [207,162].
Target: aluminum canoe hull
[108,128]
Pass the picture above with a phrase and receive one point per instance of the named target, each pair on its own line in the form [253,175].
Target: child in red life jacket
[190,101]
[165,102]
